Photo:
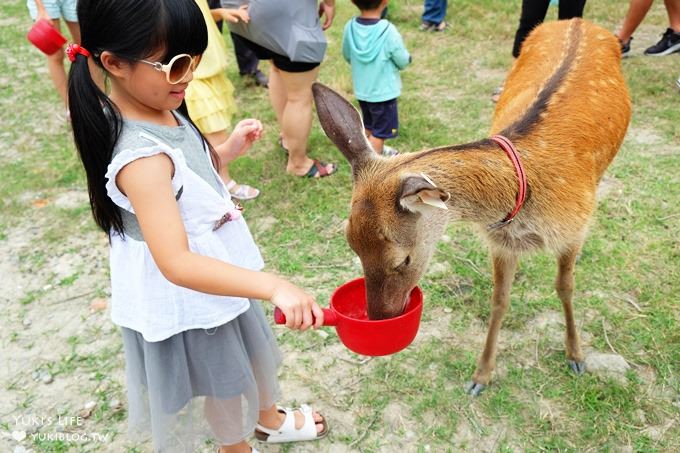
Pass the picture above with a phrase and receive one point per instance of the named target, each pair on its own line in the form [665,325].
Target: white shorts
[57,9]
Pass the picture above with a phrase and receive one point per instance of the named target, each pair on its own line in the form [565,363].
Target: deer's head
[397,213]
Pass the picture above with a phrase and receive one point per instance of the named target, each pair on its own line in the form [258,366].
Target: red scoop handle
[329,317]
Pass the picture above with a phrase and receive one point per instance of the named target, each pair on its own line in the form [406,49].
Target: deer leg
[504,268]
[564,284]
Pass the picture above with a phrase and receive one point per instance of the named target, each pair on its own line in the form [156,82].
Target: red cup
[347,314]
[45,37]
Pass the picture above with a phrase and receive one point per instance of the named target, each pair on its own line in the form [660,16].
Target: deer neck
[481,180]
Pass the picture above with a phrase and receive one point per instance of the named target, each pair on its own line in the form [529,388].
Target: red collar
[512,153]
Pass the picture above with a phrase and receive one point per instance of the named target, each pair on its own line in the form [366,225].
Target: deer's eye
[404,264]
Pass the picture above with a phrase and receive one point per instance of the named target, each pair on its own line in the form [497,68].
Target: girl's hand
[240,140]
[300,308]
[234,15]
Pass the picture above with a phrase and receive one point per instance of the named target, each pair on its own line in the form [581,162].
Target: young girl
[209,97]
[185,273]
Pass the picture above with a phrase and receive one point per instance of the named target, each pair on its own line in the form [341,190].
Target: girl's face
[142,85]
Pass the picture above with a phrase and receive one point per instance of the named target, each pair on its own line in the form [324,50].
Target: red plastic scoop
[361,335]
[45,37]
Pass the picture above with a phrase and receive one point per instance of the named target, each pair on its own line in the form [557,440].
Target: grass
[628,277]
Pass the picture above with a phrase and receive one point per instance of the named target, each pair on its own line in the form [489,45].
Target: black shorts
[282,62]
[381,118]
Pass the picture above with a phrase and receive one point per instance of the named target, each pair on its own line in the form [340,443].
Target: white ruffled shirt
[142,299]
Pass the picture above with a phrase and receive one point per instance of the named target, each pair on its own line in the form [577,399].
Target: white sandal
[242,192]
[287,431]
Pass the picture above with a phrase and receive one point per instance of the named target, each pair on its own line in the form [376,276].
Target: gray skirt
[201,383]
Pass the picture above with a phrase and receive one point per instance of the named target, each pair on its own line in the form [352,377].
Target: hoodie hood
[367,41]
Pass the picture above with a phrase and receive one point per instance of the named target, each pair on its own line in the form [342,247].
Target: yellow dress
[210,95]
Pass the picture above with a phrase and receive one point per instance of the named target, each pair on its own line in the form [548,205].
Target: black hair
[131,30]
[366,5]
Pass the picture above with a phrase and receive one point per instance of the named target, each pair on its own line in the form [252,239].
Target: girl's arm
[240,140]
[147,184]
[230,14]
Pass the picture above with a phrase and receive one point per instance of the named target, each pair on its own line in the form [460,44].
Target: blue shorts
[57,9]
[381,118]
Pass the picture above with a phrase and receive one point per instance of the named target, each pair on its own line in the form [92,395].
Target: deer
[530,186]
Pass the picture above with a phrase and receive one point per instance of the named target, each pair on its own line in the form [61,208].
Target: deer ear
[417,191]
[342,124]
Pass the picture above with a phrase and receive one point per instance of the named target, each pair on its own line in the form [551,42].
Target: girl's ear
[114,65]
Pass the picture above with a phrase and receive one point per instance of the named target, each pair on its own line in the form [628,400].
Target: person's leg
[670,41]
[296,118]
[434,11]
[533,13]
[55,66]
[377,144]
[241,447]
[246,59]
[673,10]
[385,125]
[568,9]
[277,95]
[220,415]
[637,10]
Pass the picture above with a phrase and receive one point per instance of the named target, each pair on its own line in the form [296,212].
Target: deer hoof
[577,367]
[474,389]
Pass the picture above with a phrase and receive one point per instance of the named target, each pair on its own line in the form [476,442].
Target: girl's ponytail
[96,125]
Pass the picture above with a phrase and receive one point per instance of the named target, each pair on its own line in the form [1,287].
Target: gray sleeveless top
[185,137]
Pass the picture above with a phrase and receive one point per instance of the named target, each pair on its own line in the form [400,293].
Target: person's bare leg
[637,10]
[55,66]
[296,121]
[376,143]
[277,95]
[673,10]
[241,447]
[272,418]
[95,71]
[221,415]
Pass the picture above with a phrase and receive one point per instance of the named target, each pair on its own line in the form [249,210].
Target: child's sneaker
[625,47]
[669,43]
[388,151]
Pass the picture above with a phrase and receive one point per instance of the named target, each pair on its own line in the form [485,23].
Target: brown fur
[565,107]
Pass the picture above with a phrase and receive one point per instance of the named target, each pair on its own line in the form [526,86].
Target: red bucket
[45,37]
[362,335]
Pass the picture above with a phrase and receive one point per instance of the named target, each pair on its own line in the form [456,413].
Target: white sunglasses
[177,68]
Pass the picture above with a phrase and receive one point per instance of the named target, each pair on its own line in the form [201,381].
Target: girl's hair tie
[72,50]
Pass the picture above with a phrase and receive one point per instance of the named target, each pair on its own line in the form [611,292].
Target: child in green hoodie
[376,51]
